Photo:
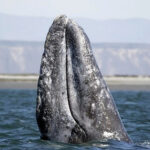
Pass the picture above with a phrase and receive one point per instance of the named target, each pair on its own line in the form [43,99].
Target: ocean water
[19,131]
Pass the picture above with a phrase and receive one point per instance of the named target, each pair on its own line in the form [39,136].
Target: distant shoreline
[19,77]
[29,81]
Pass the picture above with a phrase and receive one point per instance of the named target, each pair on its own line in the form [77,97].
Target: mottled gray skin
[74,104]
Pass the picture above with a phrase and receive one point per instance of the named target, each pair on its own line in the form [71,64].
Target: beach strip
[25,81]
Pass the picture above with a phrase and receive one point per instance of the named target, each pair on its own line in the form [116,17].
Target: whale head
[74,104]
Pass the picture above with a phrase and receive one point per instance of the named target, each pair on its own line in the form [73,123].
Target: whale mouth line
[67,87]
[69,102]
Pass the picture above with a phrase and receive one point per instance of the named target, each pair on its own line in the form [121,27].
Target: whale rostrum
[74,104]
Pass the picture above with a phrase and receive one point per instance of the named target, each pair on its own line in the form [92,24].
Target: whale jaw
[74,104]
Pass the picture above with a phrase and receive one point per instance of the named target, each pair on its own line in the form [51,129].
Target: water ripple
[18,128]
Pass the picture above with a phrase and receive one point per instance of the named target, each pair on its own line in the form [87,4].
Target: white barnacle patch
[38,103]
[107,94]
[108,134]
[97,82]
[48,94]
[44,60]
[95,86]
[98,124]
[93,108]
[48,37]
[47,82]
[89,71]
[63,44]
[102,94]
[110,105]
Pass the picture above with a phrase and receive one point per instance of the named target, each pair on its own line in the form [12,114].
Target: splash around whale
[74,104]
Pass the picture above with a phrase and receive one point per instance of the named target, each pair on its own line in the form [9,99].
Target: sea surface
[19,131]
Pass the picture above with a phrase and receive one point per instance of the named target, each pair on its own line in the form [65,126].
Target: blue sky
[94,9]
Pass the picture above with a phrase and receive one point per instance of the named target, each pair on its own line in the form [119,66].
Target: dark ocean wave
[18,127]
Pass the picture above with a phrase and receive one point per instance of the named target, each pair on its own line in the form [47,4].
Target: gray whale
[74,105]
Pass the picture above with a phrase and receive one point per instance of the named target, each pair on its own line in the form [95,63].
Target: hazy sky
[95,9]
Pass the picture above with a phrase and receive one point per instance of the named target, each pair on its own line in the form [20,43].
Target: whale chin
[74,104]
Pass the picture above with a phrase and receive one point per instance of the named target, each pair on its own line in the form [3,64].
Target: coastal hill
[25,28]
[112,58]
